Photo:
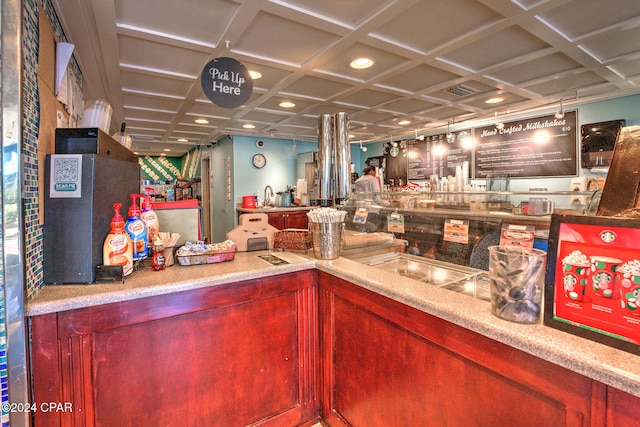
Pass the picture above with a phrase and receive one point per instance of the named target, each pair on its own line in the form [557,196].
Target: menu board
[539,147]
[434,155]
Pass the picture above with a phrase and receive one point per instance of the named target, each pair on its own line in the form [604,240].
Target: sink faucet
[267,197]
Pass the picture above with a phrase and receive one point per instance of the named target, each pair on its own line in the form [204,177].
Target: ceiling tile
[156,103]
[154,84]
[337,62]
[418,78]
[567,84]
[271,36]
[428,24]
[614,45]
[199,20]
[347,12]
[627,69]
[531,70]
[495,48]
[579,17]
[367,98]
[315,87]
[407,106]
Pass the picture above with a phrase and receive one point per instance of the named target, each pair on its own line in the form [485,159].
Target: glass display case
[458,227]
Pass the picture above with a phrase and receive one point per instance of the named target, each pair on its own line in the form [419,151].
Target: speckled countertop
[602,363]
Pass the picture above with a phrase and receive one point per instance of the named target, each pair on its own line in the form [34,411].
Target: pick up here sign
[226,82]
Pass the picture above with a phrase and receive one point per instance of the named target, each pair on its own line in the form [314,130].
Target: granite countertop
[602,363]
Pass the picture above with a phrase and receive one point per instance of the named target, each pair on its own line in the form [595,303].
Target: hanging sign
[226,82]
[539,147]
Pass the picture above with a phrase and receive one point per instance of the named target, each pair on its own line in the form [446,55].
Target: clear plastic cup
[515,280]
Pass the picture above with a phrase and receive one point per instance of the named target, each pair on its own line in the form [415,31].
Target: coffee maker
[89,172]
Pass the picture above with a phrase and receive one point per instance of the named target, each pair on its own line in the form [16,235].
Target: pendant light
[451,138]
[560,113]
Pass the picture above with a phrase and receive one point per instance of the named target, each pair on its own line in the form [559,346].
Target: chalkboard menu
[539,147]
[434,155]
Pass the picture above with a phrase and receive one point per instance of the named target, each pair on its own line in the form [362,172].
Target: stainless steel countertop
[597,361]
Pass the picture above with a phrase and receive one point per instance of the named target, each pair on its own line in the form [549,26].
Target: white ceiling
[145,57]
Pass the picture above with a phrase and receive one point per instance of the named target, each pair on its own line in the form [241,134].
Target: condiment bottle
[117,248]
[150,219]
[137,230]
[158,261]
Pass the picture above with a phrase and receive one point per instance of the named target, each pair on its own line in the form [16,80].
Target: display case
[458,227]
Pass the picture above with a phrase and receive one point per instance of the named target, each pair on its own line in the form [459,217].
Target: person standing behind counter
[368,183]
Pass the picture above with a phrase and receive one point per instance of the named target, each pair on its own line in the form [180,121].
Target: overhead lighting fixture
[248,126]
[255,75]
[404,122]
[167,149]
[451,138]
[494,100]
[361,63]
[465,140]
[287,104]
[499,125]
[363,148]
[183,140]
[560,113]
[202,121]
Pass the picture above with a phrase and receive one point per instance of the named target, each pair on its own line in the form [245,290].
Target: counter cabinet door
[237,354]
[392,365]
[297,219]
[277,220]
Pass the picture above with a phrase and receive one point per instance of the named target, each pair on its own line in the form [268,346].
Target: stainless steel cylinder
[343,156]
[325,158]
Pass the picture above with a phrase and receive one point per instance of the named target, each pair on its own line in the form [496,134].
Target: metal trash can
[327,239]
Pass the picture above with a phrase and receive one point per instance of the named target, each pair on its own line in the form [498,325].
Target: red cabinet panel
[396,366]
[289,219]
[225,356]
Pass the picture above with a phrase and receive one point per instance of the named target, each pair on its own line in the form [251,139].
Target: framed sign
[226,82]
[592,281]
[539,147]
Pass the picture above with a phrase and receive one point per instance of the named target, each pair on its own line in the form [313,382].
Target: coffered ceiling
[436,61]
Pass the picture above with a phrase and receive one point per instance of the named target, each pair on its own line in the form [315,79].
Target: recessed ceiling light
[494,100]
[287,104]
[167,149]
[202,121]
[183,140]
[248,126]
[255,74]
[362,63]
[404,122]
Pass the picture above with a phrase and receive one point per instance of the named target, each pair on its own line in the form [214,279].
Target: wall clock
[259,161]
